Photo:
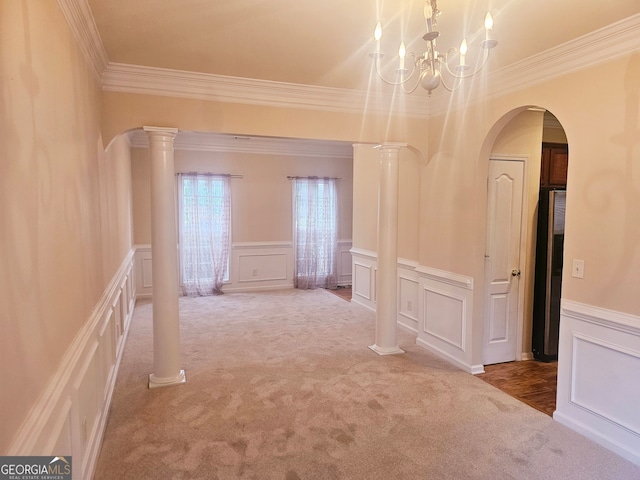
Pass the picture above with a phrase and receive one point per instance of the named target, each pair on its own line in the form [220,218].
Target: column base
[155,382]
[386,350]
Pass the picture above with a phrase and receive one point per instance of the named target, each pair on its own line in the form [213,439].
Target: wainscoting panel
[445,316]
[260,266]
[143,271]
[71,415]
[344,263]
[252,266]
[598,365]
[408,303]
[364,281]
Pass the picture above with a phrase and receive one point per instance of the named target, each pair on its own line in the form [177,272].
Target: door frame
[524,234]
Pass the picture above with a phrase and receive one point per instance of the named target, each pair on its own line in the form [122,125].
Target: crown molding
[219,142]
[80,20]
[594,48]
[127,78]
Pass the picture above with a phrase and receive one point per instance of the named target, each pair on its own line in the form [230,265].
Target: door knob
[515,273]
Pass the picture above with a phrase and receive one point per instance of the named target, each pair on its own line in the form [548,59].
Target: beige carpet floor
[281,385]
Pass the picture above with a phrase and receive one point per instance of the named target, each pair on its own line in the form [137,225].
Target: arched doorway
[527,165]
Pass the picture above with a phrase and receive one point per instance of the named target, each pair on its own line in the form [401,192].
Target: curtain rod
[211,174]
[314,178]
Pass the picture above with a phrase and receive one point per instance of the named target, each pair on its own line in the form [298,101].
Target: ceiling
[326,43]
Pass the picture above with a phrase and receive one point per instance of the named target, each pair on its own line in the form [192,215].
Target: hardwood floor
[530,381]
[343,292]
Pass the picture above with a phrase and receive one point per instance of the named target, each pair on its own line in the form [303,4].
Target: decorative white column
[386,278]
[166,326]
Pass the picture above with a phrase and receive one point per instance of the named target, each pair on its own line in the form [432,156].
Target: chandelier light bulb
[434,68]
[428,10]
[377,34]
[488,21]
[428,16]
[463,47]
[463,52]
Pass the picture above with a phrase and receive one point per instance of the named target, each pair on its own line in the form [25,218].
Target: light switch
[577,270]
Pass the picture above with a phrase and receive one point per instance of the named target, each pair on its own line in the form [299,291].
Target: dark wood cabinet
[555,161]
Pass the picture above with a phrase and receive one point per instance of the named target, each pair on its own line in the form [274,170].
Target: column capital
[391,146]
[161,131]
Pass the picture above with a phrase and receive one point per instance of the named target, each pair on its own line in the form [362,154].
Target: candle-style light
[463,53]
[432,65]
[402,52]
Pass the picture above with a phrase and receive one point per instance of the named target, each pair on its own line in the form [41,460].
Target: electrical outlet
[254,272]
[409,305]
[577,269]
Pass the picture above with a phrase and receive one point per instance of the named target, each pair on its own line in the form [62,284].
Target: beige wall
[366,165]
[63,202]
[126,111]
[261,200]
[603,183]
[601,122]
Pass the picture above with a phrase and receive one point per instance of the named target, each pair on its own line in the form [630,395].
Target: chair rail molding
[598,365]
[71,415]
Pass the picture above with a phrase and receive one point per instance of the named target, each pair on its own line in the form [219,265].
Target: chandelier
[429,65]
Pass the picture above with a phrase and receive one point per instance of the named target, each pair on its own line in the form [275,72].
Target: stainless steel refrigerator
[548,275]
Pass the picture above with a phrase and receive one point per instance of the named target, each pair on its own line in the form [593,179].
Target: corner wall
[65,245]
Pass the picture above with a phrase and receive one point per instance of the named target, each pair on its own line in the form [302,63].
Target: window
[315,232]
[204,230]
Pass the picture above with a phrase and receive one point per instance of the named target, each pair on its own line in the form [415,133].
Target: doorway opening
[533,272]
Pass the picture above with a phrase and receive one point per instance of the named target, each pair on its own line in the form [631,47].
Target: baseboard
[253,266]
[261,288]
[598,363]
[71,415]
[596,436]
[473,369]
[354,299]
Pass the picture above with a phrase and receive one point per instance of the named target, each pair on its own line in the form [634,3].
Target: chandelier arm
[447,87]
[413,89]
[399,82]
[467,75]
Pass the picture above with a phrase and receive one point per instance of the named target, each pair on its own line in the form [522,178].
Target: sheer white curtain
[204,229]
[315,233]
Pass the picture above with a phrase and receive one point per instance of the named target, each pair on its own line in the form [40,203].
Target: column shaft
[166,326]
[386,296]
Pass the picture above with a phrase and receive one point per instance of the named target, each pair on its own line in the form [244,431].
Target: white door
[502,260]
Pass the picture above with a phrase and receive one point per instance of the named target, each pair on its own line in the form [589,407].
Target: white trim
[78,15]
[600,46]
[120,77]
[473,369]
[260,145]
[611,417]
[370,255]
[611,319]
[603,45]
[604,412]
[593,434]
[260,245]
[455,279]
[62,403]
[407,264]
